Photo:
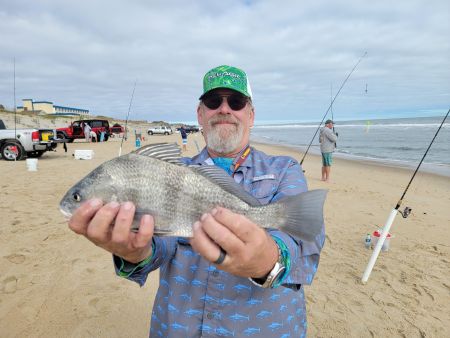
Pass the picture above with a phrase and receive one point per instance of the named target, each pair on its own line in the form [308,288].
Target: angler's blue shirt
[195,299]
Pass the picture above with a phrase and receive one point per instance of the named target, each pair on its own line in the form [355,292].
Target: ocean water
[397,142]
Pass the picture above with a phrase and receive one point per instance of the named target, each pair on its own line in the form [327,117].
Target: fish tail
[304,214]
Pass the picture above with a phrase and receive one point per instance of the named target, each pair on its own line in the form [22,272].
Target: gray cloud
[88,54]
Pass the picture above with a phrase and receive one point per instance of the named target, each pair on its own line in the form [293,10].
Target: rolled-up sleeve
[164,249]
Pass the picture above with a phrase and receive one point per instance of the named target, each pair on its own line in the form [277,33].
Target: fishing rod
[196,145]
[15,109]
[331,104]
[405,213]
[126,120]
[332,117]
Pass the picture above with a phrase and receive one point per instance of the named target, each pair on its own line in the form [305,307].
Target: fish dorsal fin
[218,176]
[168,152]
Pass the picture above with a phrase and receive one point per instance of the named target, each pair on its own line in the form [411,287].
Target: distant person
[93,136]
[87,131]
[138,137]
[327,141]
[183,137]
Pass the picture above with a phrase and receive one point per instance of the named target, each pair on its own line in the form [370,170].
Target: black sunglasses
[235,101]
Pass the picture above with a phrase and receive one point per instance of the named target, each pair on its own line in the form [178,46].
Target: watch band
[274,274]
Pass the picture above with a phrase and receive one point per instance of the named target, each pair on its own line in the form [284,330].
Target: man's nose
[224,107]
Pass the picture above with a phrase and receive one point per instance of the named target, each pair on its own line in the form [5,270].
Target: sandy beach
[54,283]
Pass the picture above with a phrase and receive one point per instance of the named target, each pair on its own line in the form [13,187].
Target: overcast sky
[88,54]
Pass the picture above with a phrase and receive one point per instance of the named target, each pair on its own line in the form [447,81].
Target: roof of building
[71,108]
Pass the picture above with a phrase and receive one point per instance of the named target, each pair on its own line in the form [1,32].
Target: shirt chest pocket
[264,187]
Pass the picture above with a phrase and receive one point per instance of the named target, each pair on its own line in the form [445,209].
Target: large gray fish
[158,183]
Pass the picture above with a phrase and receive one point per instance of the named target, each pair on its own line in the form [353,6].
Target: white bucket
[376,236]
[32,164]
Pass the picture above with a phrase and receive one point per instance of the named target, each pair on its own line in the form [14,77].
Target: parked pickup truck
[163,130]
[20,143]
[75,130]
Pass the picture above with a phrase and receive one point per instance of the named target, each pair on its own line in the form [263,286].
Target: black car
[190,129]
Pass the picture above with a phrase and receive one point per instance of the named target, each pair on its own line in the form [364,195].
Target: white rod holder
[377,249]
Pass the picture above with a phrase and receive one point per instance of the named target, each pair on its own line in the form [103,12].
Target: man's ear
[252,117]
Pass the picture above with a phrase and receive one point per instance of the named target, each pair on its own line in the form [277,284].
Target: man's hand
[251,252]
[108,226]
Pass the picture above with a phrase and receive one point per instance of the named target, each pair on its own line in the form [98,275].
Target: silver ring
[221,257]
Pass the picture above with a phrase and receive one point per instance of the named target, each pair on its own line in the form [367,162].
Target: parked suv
[163,130]
[75,130]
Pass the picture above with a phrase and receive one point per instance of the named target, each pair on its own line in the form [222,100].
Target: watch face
[277,275]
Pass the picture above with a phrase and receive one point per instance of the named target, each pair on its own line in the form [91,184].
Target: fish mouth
[67,214]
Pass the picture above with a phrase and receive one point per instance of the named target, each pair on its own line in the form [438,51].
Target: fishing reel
[405,213]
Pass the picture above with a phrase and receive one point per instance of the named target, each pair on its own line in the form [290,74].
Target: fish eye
[76,196]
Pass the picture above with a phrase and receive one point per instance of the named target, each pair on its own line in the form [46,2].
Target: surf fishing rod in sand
[126,120]
[15,109]
[331,105]
[405,213]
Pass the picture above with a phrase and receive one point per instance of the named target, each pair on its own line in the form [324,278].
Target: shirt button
[209,315]
[215,273]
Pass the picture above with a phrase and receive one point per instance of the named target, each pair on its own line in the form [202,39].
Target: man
[183,137]
[87,131]
[327,141]
[232,278]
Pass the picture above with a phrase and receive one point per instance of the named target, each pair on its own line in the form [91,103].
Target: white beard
[224,139]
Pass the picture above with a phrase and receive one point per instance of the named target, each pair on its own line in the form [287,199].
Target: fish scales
[178,195]
[182,197]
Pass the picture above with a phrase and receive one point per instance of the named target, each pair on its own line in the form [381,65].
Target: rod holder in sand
[377,249]
[394,211]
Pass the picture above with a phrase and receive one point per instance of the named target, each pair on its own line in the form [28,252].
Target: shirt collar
[203,156]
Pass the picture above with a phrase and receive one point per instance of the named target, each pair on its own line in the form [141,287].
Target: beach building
[46,108]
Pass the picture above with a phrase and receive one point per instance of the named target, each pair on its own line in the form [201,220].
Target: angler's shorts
[327,159]
[184,140]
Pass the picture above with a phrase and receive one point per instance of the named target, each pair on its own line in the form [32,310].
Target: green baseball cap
[227,77]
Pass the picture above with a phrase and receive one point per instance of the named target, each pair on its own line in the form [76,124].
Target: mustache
[222,119]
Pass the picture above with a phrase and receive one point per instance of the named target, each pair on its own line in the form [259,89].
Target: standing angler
[232,277]
[183,134]
[327,140]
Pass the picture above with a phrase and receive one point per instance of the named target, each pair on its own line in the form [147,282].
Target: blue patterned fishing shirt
[195,299]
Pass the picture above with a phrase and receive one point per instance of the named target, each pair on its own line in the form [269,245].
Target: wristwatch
[277,271]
